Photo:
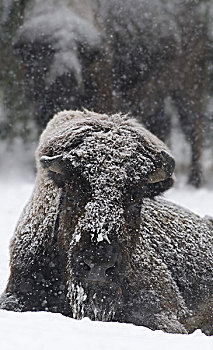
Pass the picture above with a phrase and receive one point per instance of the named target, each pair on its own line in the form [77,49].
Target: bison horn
[157,176]
[52,163]
[165,171]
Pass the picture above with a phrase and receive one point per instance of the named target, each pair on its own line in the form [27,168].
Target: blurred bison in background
[94,242]
[114,56]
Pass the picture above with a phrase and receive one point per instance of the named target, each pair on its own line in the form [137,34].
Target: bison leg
[38,287]
[147,315]
[10,302]
[192,125]
[24,292]
[160,308]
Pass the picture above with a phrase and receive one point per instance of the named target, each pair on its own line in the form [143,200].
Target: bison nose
[100,261]
[97,272]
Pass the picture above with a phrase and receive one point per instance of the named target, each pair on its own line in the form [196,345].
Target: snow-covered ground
[44,330]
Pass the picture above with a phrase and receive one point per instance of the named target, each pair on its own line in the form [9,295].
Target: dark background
[151,59]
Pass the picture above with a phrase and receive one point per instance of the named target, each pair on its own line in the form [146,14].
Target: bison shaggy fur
[95,239]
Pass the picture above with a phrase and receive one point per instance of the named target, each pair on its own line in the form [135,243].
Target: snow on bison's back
[94,241]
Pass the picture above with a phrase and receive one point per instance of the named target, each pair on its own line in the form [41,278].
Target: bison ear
[52,163]
[162,178]
[165,169]
[54,167]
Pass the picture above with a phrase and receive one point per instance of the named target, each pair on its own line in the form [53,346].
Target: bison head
[103,168]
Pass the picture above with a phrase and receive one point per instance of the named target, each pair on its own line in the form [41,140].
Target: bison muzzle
[95,241]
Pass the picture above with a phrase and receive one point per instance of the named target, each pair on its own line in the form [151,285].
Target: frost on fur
[94,241]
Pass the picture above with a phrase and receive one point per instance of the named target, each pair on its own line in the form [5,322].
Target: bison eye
[62,172]
[58,179]
[75,184]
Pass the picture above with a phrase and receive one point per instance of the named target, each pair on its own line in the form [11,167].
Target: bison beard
[93,241]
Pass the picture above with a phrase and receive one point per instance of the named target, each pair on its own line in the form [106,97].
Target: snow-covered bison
[93,241]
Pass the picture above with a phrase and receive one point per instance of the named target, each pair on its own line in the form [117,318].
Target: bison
[96,241]
[110,56]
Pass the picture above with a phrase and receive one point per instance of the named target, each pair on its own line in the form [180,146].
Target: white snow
[199,201]
[50,331]
[43,330]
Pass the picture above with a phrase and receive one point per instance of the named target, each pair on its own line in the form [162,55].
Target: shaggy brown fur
[94,242]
